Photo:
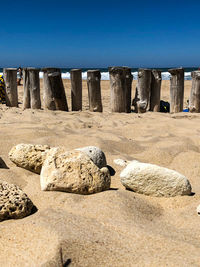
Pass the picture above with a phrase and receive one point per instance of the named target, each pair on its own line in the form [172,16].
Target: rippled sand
[115,227]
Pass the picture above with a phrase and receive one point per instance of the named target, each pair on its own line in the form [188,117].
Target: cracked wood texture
[10,78]
[76,89]
[176,90]
[94,90]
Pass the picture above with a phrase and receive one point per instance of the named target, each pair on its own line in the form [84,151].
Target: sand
[116,227]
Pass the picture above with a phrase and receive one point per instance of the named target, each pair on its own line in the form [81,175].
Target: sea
[105,73]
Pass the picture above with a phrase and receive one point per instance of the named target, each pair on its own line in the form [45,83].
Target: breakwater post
[156,80]
[128,88]
[10,78]
[94,90]
[117,89]
[143,90]
[120,89]
[194,101]
[176,89]
[76,89]
[31,97]
[26,96]
[54,92]
[58,90]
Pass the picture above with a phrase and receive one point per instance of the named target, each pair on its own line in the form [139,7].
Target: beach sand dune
[112,228]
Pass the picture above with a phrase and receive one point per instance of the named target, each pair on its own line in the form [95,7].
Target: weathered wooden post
[10,77]
[176,89]
[34,83]
[26,97]
[128,88]
[31,97]
[143,90]
[76,89]
[94,90]
[156,80]
[57,91]
[117,89]
[48,97]
[194,101]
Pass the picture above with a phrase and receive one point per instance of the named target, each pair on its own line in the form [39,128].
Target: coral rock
[14,203]
[30,157]
[73,172]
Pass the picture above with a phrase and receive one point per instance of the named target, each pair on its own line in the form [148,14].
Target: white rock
[198,210]
[95,154]
[152,180]
[73,172]
[122,162]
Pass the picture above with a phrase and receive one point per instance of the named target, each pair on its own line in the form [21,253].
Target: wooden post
[176,89]
[94,90]
[48,97]
[58,91]
[26,97]
[117,89]
[156,80]
[34,86]
[76,89]
[194,101]
[10,77]
[143,90]
[128,88]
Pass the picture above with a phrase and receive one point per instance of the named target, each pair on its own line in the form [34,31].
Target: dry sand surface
[115,227]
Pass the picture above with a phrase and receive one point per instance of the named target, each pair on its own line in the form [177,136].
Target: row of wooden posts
[147,97]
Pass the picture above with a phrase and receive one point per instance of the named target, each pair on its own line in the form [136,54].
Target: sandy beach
[115,227]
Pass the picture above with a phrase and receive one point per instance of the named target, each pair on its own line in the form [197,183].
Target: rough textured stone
[95,154]
[30,157]
[153,180]
[14,203]
[73,172]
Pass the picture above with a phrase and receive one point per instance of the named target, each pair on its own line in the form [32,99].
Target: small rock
[30,157]
[14,203]
[152,180]
[73,172]
[95,154]
[121,162]
[198,210]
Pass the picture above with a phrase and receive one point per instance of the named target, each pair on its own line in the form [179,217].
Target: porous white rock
[153,180]
[73,172]
[95,154]
[14,203]
[30,157]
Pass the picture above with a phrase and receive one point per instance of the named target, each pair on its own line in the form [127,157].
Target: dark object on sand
[164,106]
[2,90]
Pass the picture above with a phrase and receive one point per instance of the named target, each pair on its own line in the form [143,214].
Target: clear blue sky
[148,33]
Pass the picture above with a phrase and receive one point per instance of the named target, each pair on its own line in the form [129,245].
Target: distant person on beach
[2,90]
[19,75]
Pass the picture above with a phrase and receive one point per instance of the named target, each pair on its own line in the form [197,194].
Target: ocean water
[105,73]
